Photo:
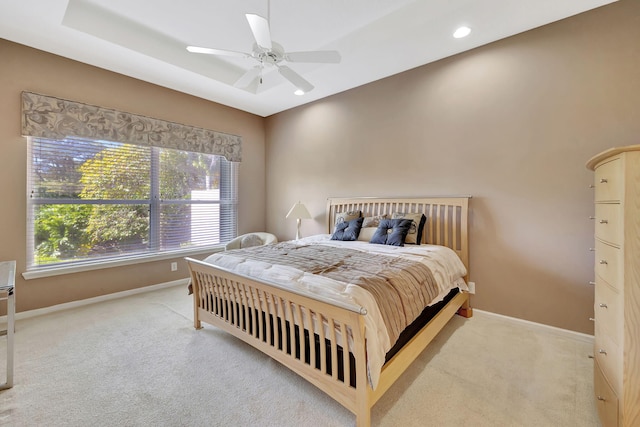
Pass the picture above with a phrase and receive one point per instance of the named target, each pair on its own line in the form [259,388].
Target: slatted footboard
[304,334]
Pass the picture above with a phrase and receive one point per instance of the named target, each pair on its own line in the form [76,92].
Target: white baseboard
[73,304]
[566,333]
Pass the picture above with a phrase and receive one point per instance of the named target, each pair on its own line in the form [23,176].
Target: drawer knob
[592,217]
[602,399]
[603,262]
[601,351]
[603,180]
[604,221]
[590,356]
[592,319]
[592,249]
[592,186]
[592,283]
[603,305]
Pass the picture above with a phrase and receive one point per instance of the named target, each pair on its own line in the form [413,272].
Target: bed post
[363,389]
[195,288]
[465,310]
[363,417]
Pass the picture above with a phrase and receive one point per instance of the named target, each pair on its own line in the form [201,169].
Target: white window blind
[90,200]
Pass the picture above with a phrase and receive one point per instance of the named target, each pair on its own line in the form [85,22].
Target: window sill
[38,273]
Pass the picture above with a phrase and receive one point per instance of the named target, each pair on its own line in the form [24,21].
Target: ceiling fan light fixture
[462,32]
[269,53]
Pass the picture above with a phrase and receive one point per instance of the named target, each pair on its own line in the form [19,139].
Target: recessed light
[462,32]
[299,92]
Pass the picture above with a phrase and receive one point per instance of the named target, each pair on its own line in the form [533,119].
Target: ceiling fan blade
[295,78]
[208,51]
[247,78]
[321,56]
[260,29]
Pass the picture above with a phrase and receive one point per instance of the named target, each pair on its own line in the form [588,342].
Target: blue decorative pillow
[348,230]
[418,220]
[392,232]
[347,216]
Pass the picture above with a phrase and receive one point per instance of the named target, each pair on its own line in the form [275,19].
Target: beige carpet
[137,361]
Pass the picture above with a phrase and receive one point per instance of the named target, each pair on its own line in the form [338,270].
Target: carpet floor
[138,361]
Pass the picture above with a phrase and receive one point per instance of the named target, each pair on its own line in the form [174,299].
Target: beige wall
[23,68]
[511,123]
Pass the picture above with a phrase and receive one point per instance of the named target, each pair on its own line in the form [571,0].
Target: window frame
[228,171]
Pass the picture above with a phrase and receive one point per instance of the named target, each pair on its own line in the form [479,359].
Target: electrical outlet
[472,287]
[174,266]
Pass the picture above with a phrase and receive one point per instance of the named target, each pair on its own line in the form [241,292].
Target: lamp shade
[299,211]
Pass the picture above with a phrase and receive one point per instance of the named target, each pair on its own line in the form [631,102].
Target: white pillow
[251,240]
[366,233]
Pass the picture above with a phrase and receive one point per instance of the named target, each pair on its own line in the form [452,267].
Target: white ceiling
[146,39]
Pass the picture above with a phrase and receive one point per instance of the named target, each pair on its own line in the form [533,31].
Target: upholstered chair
[257,238]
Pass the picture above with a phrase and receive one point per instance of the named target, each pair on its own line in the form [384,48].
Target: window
[91,200]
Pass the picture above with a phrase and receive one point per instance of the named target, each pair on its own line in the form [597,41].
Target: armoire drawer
[606,399]
[608,310]
[608,184]
[607,354]
[608,260]
[609,223]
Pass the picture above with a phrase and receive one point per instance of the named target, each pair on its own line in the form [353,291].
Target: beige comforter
[402,288]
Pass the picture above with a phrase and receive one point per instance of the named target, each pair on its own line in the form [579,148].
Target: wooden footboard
[287,327]
[277,322]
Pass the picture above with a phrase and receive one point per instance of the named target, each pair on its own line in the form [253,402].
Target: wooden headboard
[447,217]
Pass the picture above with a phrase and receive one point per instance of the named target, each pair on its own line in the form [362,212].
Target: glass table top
[7,275]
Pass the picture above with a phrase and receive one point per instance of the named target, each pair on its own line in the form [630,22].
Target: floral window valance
[54,118]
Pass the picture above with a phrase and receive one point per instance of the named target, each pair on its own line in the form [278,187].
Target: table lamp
[299,212]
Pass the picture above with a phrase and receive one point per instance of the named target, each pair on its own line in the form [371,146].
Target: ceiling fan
[269,53]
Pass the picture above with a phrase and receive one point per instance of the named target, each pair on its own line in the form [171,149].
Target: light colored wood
[609,263]
[609,223]
[394,368]
[222,318]
[608,311]
[230,301]
[609,356]
[446,217]
[617,331]
[197,324]
[608,185]
[610,154]
[631,351]
[606,398]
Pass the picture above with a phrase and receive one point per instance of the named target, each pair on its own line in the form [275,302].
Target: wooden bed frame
[240,305]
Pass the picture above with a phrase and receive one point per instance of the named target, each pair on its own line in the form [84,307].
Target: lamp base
[298,229]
